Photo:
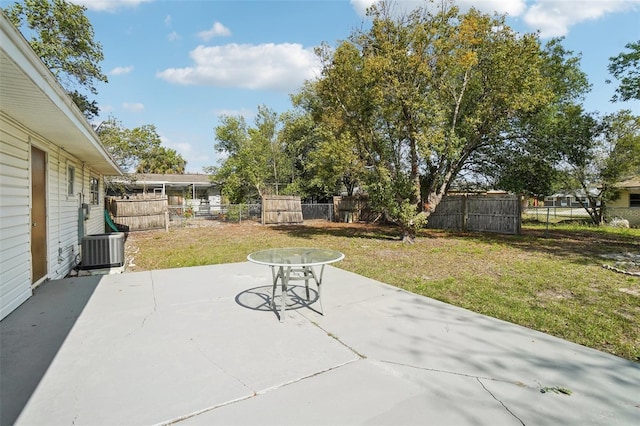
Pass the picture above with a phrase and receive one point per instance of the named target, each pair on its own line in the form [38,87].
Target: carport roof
[142,179]
[31,96]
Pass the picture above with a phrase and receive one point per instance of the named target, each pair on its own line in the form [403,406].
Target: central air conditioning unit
[102,251]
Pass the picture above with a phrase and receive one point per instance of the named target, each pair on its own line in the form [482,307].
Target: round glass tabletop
[295,256]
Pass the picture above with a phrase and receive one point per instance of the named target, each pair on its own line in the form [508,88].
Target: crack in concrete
[337,339]
[477,378]
[255,393]
[360,356]
[218,366]
[202,411]
[436,370]
[155,301]
[501,403]
[155,307]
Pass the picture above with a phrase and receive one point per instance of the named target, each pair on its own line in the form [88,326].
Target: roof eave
[31,96]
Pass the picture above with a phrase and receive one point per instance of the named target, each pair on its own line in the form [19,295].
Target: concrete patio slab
[425,333]
[367,392]
[202,345]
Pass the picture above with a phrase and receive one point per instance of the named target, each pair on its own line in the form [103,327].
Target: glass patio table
[295,263]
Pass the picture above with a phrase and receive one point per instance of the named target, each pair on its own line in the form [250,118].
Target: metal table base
[284,274]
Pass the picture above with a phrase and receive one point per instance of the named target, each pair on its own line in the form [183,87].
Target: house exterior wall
[63,211]
[622,201]
[622,208]
[15,257]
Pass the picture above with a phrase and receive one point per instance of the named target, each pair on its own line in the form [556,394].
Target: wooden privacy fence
[478,213]
[281,209]
[351,208]
[139,212]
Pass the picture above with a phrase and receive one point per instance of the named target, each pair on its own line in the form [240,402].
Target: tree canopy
[140,149]
[625,67]
[527,162]
[62,36]
[161,160]
[408,105]
[417,96]
[254,159]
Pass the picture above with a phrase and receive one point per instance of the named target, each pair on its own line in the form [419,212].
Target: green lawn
[549,280]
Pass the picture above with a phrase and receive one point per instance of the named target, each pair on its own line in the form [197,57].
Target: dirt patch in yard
[631,291]
[554,294]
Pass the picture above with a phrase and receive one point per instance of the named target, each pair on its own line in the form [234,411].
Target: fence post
[546,233]
[465,213]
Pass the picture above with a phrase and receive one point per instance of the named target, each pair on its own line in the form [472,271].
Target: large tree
[139,149]
[63,38]
[323,163]
[417,95]
[161,160]
[254,162]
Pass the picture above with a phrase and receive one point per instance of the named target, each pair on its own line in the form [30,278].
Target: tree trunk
[408,236]
[433,199]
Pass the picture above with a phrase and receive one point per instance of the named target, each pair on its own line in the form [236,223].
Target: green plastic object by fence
[112,225]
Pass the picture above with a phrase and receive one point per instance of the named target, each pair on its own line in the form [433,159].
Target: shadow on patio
[31,336]
[201,345]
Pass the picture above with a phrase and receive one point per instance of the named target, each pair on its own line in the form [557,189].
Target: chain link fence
[237,213]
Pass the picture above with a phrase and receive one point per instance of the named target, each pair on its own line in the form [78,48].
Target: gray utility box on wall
[102,251]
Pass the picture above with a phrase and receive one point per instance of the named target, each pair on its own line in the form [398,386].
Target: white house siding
[63,236]
[64,230]
[62,214]
[15,253]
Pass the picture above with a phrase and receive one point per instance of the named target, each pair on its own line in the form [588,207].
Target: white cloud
[360,6]
[183,148]
[195,157]
[108,5]
[121,70]
[511,7]
[554,17]
[167,20]
[246,113]
[217,30]
[106,109]
[173,36]
[282,67]
[133,107]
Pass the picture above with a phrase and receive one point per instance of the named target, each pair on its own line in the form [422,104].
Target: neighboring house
[194,190]
[629,194]
[577,200]
[627,205]
[52,168]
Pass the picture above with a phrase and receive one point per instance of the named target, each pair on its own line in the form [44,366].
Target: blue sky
[180,64]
